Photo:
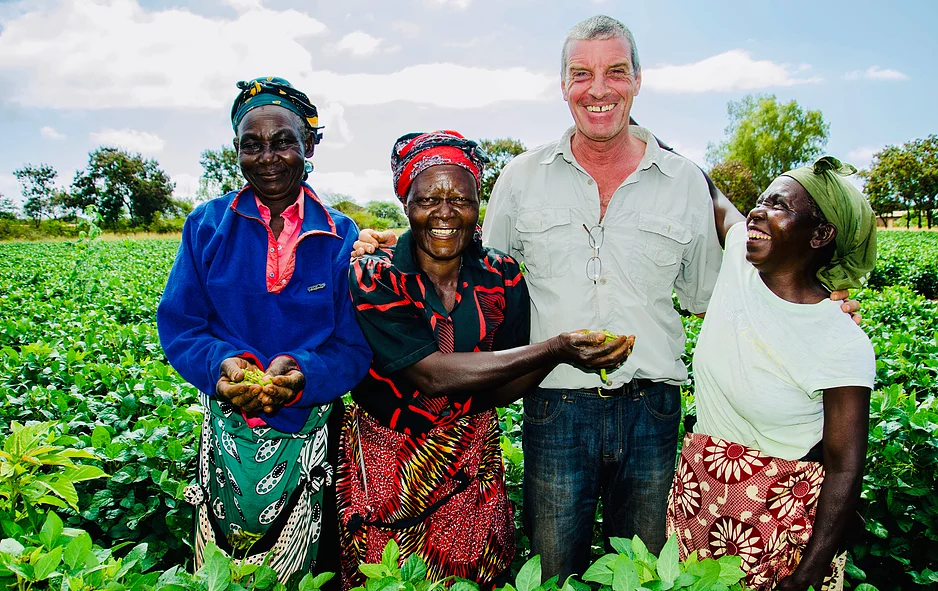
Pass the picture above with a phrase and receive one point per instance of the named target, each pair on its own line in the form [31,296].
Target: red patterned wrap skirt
[441,496]
[728,498]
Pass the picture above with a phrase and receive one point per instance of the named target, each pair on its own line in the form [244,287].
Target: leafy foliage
[734,179]
[221,173]
[905,177]
[909,259]
[769,137]
[38,184]
[117,181]
[501,151]
[630,568]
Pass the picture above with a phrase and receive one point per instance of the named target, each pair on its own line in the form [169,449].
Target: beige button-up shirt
[659,237]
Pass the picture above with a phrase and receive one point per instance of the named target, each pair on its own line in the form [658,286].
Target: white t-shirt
[761,361]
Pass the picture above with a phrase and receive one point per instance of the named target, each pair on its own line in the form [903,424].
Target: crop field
[100,433]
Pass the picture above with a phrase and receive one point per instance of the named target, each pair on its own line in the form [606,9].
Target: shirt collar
[653,152]
[293,213]
[406,261]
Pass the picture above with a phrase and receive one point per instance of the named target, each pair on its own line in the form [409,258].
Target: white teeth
[602,109]
[756,235]
[443,231]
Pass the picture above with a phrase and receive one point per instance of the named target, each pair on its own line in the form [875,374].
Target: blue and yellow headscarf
[272,90]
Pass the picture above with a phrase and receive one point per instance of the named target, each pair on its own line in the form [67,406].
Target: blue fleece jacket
[216,304]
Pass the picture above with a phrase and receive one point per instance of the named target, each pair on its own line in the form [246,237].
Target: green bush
[909,259]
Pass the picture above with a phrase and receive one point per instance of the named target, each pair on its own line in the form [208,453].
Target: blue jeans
[578,446]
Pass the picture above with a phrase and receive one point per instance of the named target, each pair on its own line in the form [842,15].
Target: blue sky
[158,76]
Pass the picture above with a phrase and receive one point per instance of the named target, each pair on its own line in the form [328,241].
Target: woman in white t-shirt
[782,377]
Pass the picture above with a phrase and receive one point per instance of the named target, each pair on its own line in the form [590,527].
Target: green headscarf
[847,209]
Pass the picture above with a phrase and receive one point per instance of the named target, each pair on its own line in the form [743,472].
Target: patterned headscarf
[415,152]
[274,91]
[847,209]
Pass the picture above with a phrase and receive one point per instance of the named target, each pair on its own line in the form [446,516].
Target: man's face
[600,86]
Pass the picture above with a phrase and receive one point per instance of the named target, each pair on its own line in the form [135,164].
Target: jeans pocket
[540,408]
[663,402]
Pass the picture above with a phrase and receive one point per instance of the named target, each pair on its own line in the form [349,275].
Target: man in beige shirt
[607,224]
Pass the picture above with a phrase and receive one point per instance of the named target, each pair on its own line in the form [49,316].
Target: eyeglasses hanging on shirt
[594,266]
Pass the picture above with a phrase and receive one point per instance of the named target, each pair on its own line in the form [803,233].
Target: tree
[7,208]
[38,184]
[501,151]
[118,182]
[735,180]
[905,176]
[390,211]
[221,173]
[769,137]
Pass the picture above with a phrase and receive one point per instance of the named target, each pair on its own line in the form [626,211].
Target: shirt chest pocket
[659,250]
[545,236]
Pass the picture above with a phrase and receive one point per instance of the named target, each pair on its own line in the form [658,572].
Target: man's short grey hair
[599,27]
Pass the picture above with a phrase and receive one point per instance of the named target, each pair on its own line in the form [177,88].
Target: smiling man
[607,224]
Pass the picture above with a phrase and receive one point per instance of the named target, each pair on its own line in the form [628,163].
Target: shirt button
[279,247]
[283,281]
[602,281]
[271,249]
[271,274]
[589,182]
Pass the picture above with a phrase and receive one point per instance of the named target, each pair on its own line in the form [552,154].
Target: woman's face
[272,153]
[782,228]
[443,209]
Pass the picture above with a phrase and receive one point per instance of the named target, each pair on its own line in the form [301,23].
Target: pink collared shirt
[281,251]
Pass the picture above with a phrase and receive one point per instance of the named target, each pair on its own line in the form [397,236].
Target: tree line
[764,138]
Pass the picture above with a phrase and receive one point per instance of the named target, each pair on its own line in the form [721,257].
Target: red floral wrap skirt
[441,496]
[728,498]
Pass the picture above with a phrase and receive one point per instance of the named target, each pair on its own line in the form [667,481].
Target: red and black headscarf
[413,153]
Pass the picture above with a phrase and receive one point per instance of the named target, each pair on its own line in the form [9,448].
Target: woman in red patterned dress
[782,379]
[448,321]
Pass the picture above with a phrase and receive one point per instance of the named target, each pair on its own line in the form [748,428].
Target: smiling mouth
[599,108]
[442,232]
[757,235]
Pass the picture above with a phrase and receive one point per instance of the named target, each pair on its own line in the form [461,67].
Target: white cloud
[441,85]
[876,73]
[130,140]
[244,5]
[862,157]
[457,4]
[337,130]
[695,154]
[406,28]
[86,54]
[10,187]
[59,56]
[186,185]
[728,71]
[51,134]
[358,44]
[371,185]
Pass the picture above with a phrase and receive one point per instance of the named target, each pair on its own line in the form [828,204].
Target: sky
[158,76]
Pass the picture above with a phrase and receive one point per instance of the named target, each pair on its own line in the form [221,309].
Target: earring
[308,166]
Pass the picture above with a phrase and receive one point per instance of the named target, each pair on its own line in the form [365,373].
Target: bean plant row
[81,370]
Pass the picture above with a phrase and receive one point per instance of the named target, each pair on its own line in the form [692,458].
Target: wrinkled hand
[286,382]
[244,396]
[589,349]
[848,306]
[801,580]
[369,240]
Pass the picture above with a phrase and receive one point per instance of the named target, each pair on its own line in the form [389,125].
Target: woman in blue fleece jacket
[260,285]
